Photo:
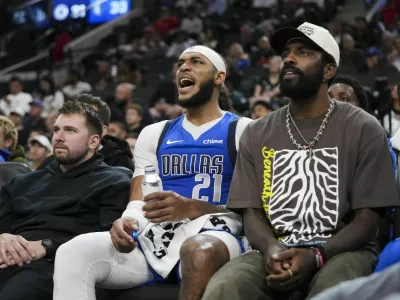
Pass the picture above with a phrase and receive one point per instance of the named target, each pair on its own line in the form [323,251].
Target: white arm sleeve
[146,148]
[241,125]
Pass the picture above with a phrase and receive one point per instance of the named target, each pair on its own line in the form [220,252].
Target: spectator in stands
[123,97]
[181,42]
[391,122]
[350,56]
[74,86]
[17,116]
[151,45]
[200,96]
[347,89]
[208,39]
[238,57]
[192,23]
[263,53]
[16,98]
[118,130]
[311,234]
[166,23]
[378,66]
[394,56]
[115,150]
[76,193]
[33,121]
[336,31]
[367,35]
[52,98]
[164,96]
[39,148]
[268,89]
[129,72]
[50,121]
[131,139]
[32,134]
[62,39]
[133,118]
[102,72]
[247,31]
[260,109]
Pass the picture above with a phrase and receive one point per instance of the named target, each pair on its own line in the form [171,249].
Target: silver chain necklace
[309,145]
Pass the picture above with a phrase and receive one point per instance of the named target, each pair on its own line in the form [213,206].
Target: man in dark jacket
[76,193]
[116,152]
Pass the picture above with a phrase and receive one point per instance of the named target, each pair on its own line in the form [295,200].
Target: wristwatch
[50,247]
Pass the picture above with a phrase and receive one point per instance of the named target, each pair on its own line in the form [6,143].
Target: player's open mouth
[186,84]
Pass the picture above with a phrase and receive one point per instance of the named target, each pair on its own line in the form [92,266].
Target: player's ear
[219,77]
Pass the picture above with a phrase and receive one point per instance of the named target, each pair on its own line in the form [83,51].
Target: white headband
[212,56]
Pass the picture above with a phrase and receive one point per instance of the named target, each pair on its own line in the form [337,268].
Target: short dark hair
[16,78]
[136,107]
[263,103]
[93,119]
[50,81]
[121,125]
[358,89]
[102,108]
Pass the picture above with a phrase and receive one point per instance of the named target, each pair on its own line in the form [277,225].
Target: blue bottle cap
[134,235]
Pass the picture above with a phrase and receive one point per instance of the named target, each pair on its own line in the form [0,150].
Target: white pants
[90,260]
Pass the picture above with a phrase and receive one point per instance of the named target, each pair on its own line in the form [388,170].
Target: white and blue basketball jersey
[199,169]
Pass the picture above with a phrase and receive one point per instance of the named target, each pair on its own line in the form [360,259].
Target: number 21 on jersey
[205,183]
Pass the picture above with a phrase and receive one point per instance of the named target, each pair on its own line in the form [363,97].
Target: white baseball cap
[319,36]
[42,140]
[18,110]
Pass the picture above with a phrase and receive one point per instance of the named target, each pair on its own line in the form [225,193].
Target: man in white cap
[311,180]
[39,148]
[186,230]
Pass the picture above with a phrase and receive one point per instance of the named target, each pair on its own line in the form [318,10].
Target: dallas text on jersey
[176,164]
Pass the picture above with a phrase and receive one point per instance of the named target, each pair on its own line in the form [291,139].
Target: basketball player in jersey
[195,155]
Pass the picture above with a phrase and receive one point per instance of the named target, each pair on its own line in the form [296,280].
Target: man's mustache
[290,69]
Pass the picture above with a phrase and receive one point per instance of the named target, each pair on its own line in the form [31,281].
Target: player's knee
[200,250]
[78,252]
[70,252]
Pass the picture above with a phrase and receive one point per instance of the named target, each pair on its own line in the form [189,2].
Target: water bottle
[151,182]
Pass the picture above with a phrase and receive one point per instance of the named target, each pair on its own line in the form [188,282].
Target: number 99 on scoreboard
[95,11]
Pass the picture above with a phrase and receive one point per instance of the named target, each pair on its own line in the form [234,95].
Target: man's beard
[303,87]
[70,160]
[202,97]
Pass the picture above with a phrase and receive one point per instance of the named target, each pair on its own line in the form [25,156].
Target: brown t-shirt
[308,200]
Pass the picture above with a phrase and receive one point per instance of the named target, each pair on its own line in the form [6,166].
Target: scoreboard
[94,11]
